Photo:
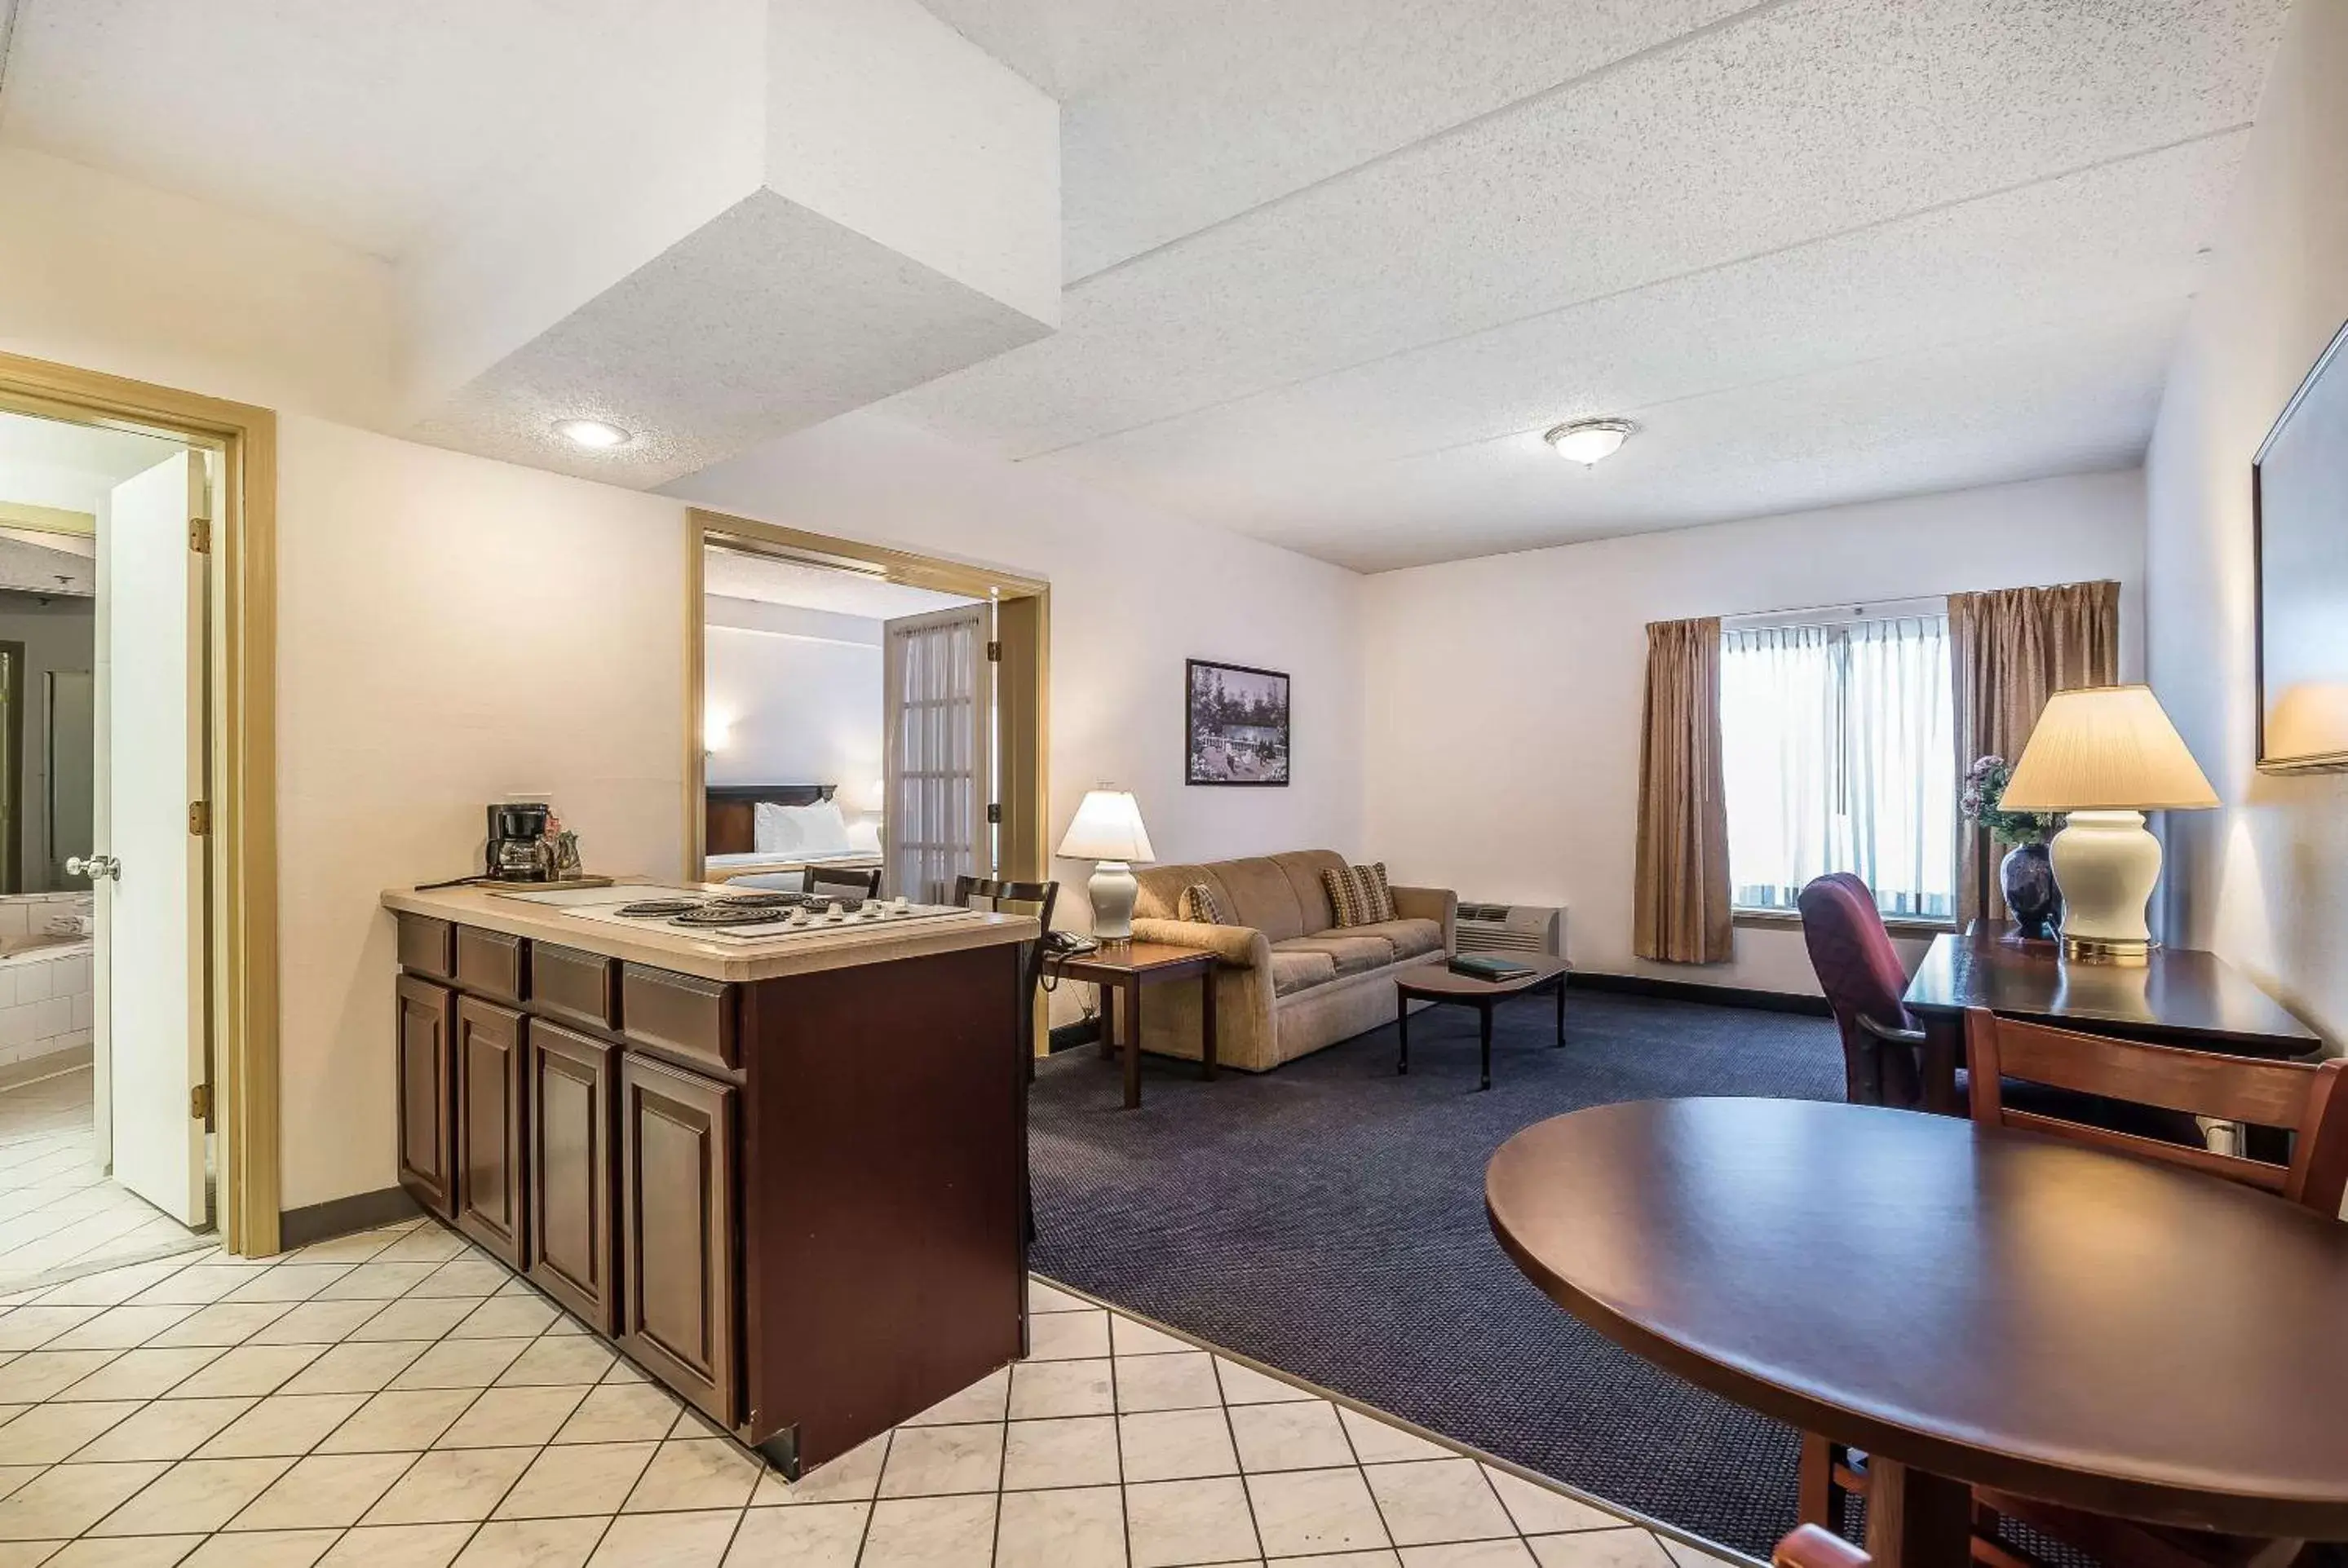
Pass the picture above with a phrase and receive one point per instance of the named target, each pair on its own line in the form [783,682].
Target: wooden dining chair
[1044,895]
[1808,1547]
[857,883]
[2303,1098]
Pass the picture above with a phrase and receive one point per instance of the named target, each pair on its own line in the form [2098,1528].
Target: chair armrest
[1891,1036]
[1440,905]
[1241,945]
[1811,1547]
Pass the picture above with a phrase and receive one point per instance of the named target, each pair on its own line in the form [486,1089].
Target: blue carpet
[1328,1218]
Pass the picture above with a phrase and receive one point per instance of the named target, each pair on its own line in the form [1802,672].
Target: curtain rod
[1929,603]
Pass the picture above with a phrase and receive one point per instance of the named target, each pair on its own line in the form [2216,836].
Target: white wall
[108,274]
[451,631]
[2264,882]
[797,709]
[1134,592]
[1501,754]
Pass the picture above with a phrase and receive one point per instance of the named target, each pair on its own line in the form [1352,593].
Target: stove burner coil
[655,909]
[720,915]
[764,900]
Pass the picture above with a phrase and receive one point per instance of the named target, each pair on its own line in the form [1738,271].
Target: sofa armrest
[1242,947]
[1440,905]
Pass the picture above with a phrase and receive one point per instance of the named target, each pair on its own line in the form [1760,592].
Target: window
[1838,755]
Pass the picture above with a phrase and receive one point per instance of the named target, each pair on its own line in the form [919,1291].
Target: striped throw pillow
[1198,903]
[1359,894]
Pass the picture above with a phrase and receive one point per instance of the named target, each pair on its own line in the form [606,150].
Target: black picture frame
[2329,361]
[1215,752]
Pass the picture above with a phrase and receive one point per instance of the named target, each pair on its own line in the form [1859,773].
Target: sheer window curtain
[1838,748]
[935,751]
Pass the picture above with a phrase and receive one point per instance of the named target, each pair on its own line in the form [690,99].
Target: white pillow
[773,830]
[822,829]
[817,829]
[864,836]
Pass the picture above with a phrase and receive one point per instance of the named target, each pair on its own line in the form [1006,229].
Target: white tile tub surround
[46,1002]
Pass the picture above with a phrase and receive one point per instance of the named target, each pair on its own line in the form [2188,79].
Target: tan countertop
[667,947]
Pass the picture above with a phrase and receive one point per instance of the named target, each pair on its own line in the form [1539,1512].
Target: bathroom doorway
[104,927]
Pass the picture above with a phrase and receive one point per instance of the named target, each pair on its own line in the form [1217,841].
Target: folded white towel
[70,926]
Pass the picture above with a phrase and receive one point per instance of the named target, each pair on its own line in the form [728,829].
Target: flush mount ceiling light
[592,433]
[1588,440]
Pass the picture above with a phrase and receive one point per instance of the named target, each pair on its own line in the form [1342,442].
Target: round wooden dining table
[1970,1305]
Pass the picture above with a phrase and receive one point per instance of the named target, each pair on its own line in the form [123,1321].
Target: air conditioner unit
[1512,928]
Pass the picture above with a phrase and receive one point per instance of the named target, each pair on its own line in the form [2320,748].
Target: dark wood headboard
[730,812]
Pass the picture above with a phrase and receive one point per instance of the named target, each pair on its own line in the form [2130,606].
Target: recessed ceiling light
[591,433]
[1588,440]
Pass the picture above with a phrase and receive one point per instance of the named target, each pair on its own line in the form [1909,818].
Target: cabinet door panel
[678,1265]
[490,1102]
[573,1178]
[427,1088]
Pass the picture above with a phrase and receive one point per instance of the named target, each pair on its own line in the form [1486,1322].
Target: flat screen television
[2298,505]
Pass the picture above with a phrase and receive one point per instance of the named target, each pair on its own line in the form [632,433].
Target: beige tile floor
[59,1211]
[395,1399]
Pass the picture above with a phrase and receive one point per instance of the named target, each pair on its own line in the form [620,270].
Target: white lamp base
[1113,890]
[2106,865]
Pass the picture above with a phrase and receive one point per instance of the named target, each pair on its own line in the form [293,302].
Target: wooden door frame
[241,680]
[1023,622]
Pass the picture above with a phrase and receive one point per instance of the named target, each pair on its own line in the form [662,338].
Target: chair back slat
[2298,1096]
[2234,1088]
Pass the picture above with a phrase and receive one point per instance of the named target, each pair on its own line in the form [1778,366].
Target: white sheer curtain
[935,751]
[1838,755]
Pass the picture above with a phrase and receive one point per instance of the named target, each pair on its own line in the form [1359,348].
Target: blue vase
[2027,876]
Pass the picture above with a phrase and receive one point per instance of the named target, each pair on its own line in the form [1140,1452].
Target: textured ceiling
[1333,264]
[1336,264]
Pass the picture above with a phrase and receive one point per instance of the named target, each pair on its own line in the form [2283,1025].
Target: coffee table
[1437,984]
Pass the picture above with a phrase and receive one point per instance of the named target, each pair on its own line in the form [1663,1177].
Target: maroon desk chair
[1861,975]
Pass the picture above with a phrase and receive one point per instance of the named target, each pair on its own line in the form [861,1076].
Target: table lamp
[2106,755]
[1107,831]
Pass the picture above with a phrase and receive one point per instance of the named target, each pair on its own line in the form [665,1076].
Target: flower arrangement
[1984,786]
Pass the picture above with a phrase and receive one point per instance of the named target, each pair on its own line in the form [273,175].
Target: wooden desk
[1971,1305]
[1124,969]
[2183,996]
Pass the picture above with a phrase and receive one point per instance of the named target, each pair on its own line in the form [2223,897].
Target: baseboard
[1690,991]
[33,1069]
[344,1217]
[1068,1036]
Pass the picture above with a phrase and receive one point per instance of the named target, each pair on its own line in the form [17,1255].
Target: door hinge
[994,654]
[994,811]
[200,817]
[200,1103]
[199,534]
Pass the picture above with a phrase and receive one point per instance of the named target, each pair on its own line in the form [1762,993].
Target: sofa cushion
[1358,896]
[1299,971]
[1353,953]
[1302,869]
[1408,938]
[1200,904]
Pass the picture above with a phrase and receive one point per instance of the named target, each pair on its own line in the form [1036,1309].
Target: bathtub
[47,1006]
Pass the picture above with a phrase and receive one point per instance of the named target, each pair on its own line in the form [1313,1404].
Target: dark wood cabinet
[679,1265]
[427,1129]
[491,1097]
[573,1177]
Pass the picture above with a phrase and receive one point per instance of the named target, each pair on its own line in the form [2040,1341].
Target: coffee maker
[517,850]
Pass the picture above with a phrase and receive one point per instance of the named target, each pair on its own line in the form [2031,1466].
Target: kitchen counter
[781,1168]
[734,962]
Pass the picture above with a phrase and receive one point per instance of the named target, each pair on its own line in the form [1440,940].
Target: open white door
[936,768]
[149,871]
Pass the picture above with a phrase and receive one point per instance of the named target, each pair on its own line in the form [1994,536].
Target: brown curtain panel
[2009,652]
[1682,913]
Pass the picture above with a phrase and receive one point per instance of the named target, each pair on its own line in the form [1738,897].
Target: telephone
[1067,945]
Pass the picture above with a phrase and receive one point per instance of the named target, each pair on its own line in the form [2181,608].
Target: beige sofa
[1291,981]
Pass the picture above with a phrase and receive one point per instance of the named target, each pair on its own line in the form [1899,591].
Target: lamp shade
[1107,827]
[2106,748]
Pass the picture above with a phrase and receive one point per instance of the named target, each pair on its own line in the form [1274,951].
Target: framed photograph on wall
[1235,727]
[2299,497]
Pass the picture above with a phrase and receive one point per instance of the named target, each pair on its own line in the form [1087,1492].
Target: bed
[729,841]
